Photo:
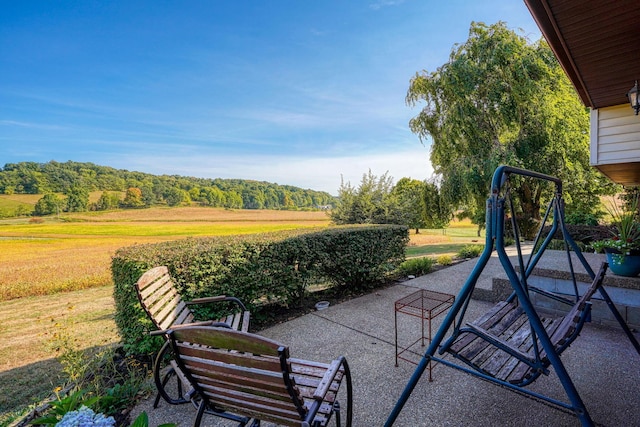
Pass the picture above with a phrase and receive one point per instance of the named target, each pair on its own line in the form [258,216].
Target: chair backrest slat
[239,372]
[255,386]
[264,412]
[185,315]
[160,299]
[151,276]
[230,340]
[237,378]
[171,312]
[231,357]
[226,397]
[160,296]
[154,290]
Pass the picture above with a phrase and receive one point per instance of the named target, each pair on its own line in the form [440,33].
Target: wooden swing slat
[500,343]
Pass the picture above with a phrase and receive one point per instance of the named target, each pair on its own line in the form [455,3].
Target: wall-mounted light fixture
[634,98]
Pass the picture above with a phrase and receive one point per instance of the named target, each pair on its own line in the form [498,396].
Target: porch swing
[512,345]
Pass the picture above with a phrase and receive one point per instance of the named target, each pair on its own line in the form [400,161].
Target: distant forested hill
[127,189]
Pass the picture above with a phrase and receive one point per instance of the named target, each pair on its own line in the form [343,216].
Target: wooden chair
[254,377]
[166,309]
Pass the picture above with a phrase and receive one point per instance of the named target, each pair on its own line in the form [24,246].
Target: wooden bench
[253,377]
[500,343]
[163,304]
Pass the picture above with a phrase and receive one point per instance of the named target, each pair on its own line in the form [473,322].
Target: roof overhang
[597,44]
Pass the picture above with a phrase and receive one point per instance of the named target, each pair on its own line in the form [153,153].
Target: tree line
[66,187]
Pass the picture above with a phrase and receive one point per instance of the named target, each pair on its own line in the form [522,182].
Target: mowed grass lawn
[55,276]
[432,242]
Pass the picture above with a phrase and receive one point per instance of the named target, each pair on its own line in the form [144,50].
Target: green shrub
[416,266]
[360,258]
[470,251]
[257,269]
[598,246]
[583,218]
[444,260]
[582,233]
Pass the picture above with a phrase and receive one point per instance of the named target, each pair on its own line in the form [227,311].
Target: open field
[75,252]
[55,276]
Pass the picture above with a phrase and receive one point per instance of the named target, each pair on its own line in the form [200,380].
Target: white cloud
[385,3]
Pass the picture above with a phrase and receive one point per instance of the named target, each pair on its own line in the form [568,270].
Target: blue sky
[295,92]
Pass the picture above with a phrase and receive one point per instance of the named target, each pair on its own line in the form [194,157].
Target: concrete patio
[602,362]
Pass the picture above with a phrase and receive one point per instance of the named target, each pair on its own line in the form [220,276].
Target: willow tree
[502,100]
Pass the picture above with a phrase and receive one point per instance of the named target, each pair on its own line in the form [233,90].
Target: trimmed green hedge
[256,268]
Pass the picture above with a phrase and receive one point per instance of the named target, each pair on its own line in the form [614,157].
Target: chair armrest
[219,298]
[328,378]
[553,296]
[206,300]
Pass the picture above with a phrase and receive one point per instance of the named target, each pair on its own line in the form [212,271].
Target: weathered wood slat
[511,334]
[170,312]
[208,379]
[151,276]
[465,340]
[235,321]
[508,325]
[310,374]
[240,373]
[512,368]
[270,388]
[282,402]
[158,301]
[185,316]
[245,322]
[264,412]
[326,381]
[187,388]
[235,358]
[229,339]
[154,290]
[500,362]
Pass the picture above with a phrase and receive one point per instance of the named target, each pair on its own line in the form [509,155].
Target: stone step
[552,274]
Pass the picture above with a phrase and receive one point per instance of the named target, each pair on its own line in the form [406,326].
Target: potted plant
[623,248]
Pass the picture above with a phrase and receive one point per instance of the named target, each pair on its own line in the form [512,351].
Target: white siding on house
[615,135]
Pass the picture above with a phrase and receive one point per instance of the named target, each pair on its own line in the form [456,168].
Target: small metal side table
[425,305]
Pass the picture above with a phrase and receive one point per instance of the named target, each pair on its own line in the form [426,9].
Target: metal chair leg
[201,409]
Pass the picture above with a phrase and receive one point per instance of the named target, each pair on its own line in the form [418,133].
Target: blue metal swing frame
[495,218]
